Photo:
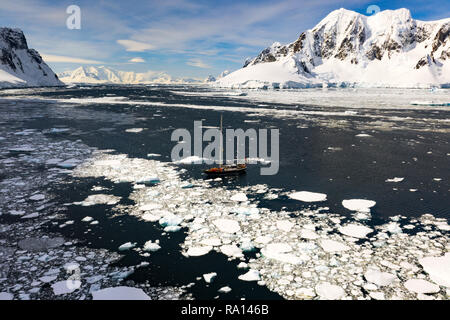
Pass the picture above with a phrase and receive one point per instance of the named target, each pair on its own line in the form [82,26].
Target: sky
[184,38]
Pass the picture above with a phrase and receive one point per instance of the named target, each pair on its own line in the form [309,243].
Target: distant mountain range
[102,74]
[21,66]
[388,49]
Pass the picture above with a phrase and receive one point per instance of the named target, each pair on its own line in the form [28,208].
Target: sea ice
[329,245]
[285,225]
[224,290]
[251,275]
[65,286]
[120,293]
[6,296]
[151,246]
[227,225]
[355,230]
[438,268]
[127,246]
[360,205]
[307,196]
[209,277]
[231,250]
[395,180]
[421,286]
[240,197]
[328,291]
[379,278]
[37,197]
[198,251]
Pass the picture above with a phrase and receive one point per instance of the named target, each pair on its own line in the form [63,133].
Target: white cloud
[198,63]
[135,46]
[64,59]
[136,60]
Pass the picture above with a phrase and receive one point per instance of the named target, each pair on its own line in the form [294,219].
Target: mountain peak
[21,66]
[389,48]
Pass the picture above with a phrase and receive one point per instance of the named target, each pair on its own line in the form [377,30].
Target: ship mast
[221,143]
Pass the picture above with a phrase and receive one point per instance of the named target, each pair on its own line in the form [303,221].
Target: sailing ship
[224,170]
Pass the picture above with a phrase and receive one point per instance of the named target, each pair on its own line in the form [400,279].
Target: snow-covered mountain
[389,49]
[102,74]
[21,66]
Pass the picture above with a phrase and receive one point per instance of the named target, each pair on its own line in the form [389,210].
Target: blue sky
[181,37]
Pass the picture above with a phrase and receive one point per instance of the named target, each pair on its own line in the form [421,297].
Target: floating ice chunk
[198,251]
[279,251]
[360,205]
[377,295]
[395,180]
[421,286]
[240,197]
[211,242]
[308,234]
[379,278]
[231,250]
[209,277]
[247,246]
[170,220]
[329,245]
[120,293]
[94,279]
[65,286]
[58,130]
[246,211]
[285,225]
[224,289]
[393,227]
[47,279]
[242,265]
[227,225]
[151,155]
[134,130]
[263,239]
[438,268]
[69,164]
[437,179]
[127,246]
[6,296]
[22,149]
[31,215]
[355,230]
[96,199]
[172,228]
[87,219]
[37,197]
[150,217]
[151,246]
[363,135]
[307,196]
[328,291]
[251,275]
[150,206]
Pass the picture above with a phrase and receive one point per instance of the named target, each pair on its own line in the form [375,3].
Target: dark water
[315,155]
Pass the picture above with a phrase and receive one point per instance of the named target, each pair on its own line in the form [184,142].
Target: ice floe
[120,293]
[251,275]
[360,205]
[151,246]
[421,286]
[307,196]
[209,277]
[438,268]
[355,230]
[328,291]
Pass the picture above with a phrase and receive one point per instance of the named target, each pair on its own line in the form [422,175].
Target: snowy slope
[389,49]
[20,66]
[102,74]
